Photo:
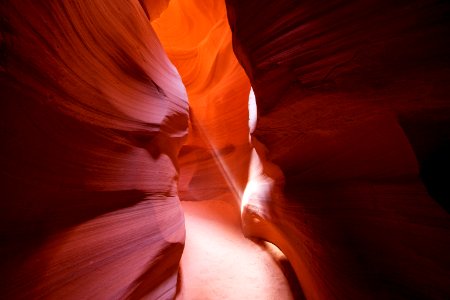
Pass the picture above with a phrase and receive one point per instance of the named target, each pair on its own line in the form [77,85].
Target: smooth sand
[220,263]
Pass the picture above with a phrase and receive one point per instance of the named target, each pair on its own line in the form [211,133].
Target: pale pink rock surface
[93,115]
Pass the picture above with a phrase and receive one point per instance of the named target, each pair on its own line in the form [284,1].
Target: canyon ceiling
[113,111]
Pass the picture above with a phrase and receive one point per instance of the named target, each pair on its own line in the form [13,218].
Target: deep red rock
[352,100]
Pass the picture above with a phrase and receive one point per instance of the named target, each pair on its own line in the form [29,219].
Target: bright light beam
[221,164]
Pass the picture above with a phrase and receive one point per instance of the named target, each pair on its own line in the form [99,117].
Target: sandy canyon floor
[220,263]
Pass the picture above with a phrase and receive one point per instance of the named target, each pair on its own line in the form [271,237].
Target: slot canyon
[225,149]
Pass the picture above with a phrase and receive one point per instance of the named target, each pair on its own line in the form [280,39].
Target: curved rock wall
[197,39]
[352,100]
[93,115]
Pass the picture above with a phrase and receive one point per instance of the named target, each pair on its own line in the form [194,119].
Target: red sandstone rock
[352,106]
[93,115]
[340,89]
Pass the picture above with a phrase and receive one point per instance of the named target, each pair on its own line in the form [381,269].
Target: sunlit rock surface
[93,115]
[197,39]
[353,105]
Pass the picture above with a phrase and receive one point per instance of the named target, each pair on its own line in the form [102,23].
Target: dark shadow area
[435,174]
[430,140]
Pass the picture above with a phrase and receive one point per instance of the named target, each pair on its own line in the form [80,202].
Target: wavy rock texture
[352,107]
[93,115]
[197,39]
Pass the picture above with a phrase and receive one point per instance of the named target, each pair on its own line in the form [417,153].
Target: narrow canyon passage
[128,169]
[218,262]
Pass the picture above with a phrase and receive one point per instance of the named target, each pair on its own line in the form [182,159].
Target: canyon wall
[353,123]
[197,38]
[93,115]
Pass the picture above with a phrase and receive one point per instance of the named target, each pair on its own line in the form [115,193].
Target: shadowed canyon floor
[220,263]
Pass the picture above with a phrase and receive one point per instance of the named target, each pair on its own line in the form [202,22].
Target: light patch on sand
[220,263]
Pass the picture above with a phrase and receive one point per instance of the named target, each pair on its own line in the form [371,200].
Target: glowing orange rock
[197,39]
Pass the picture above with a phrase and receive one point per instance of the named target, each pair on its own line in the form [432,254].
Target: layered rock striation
[93,115]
